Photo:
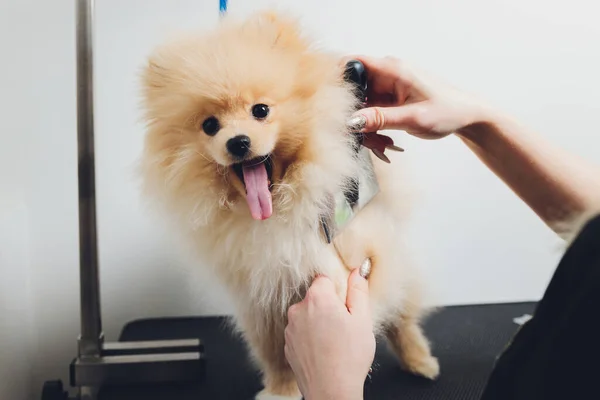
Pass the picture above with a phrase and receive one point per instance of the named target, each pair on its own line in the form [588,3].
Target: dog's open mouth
[256,175]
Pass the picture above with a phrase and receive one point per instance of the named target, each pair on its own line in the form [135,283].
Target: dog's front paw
[264,395]
[427,367]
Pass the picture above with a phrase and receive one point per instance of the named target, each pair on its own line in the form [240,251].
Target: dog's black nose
[239,146]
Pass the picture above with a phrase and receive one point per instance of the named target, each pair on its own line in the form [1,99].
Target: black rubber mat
[466,339]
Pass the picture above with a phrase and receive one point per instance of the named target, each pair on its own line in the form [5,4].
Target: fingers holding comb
[374,141]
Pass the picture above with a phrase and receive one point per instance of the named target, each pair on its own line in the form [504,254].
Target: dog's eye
[211,126]
[260,111]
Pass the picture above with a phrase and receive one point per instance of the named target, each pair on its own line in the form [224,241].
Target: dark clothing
[556,354]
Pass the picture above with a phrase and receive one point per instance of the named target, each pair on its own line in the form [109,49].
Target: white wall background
[535,58]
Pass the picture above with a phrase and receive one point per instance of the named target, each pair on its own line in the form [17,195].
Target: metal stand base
[131,363]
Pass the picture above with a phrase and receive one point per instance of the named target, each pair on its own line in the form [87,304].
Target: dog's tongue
[258,195]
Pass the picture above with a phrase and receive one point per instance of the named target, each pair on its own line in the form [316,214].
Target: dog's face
[234,112]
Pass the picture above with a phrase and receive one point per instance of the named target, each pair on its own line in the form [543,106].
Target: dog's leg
[408,340]
[280,384]
[266,340]
[278,378]
[412,348]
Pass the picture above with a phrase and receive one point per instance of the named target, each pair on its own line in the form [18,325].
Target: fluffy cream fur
[267,265]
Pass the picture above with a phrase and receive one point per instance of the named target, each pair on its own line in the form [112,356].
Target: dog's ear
[284,31]
[155,74]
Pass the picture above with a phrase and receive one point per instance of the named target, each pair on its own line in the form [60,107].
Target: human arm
[330,345]
[558,186]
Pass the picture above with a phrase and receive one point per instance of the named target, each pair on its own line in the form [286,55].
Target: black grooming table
[466,339]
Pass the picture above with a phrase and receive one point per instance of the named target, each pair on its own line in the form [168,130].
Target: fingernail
[381,156]
[395,148]
[365,268]
[357,123]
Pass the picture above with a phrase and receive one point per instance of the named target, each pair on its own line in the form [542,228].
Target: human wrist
[481,125]
[354,392]
[336,392]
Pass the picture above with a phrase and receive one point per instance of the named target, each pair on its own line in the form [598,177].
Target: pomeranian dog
[246,141]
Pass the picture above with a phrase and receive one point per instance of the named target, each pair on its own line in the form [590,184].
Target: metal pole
[90,341]
[100,363]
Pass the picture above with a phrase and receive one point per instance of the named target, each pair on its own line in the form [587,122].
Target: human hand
[401,97]
[330,346]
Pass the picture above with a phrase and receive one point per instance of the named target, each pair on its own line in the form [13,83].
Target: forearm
[556,185]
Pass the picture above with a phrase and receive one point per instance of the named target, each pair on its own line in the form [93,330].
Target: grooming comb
[359,190]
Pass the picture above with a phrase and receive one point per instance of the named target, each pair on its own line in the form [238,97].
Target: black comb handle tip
[356,73]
